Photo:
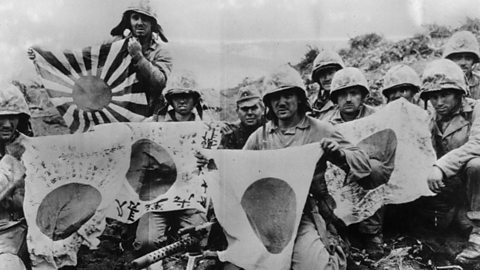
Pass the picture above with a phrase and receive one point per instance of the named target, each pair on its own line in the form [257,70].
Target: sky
[221,41]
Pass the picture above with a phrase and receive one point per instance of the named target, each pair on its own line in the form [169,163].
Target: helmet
[346,78]
[13,102]
[283,78]
[442,74]
[248,96]
[401,75]
[182,83]
[143,7]
[462,42]
[326,58]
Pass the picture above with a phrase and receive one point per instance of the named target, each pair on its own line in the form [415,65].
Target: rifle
[191,240]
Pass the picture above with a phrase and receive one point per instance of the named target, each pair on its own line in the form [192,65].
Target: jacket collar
[458,119]
[302,124]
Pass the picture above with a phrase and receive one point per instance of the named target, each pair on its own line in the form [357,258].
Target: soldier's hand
[31,54]
[227,128]
[134,47]
[435,180]
[332,150]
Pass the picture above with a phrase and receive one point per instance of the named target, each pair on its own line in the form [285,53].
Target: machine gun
[192,239]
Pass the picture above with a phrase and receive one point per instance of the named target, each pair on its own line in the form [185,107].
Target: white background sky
[222,41]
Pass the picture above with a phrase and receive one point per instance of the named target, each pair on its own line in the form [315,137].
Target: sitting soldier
[455,128]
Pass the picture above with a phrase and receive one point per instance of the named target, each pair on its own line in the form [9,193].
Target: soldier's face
[444,102]
[183,104]
[349,100]
[8,126]
[325,77]
[285,104]
[141,25]
[250,115]
[398,92]
[464,60]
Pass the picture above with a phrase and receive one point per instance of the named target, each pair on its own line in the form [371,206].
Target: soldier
[14,124]
[152,227]
[401,81]
[289,126]
[324,67]
[462,48]
[151,60]
[455,128]
[250,113]
[349,90]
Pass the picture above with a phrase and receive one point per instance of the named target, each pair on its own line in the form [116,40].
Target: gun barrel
[161,253]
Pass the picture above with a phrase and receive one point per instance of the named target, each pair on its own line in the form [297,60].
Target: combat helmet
[143,7]
[462,42]
[346,78]
[442,74]
[183,82]
[12,102]
[326,58]
[401,76]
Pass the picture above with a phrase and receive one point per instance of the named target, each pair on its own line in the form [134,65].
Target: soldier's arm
[156,72]
[453,161]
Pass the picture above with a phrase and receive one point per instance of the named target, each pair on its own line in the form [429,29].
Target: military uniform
[456,140]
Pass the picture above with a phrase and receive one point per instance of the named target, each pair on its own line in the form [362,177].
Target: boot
[373,244]
[471,254]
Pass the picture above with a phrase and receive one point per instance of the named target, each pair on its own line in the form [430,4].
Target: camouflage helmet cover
[143,7]
[442,74]
[182,83]
[283,78]
[12,102]
[346,78]
[401,75]
[326,58]
[462,42]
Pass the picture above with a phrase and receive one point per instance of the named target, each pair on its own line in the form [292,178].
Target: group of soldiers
[283,117]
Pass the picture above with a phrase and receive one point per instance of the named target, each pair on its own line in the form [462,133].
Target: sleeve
[156,71]
[357,162]
[453,161]
[12,174]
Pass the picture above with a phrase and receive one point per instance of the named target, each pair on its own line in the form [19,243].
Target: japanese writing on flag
[120,170]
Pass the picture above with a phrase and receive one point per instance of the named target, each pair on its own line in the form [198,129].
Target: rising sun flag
[91,86]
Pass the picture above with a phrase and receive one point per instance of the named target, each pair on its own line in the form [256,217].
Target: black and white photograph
[240,135]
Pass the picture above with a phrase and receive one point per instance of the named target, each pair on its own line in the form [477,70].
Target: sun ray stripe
[87,60]
[57,101]
[103,116]
[138,98]
[118,117]
[132,79]
[76,120]
[64,60]
[131,116]
[84,115]
[73,61]
[122,69]
[102,57]
[78,56]
[49,72]
[121,60]
[94,118]
[51,59]
[110,117]
[48,84]
[128,72]
[133,107]
[94,58]
[112,57]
